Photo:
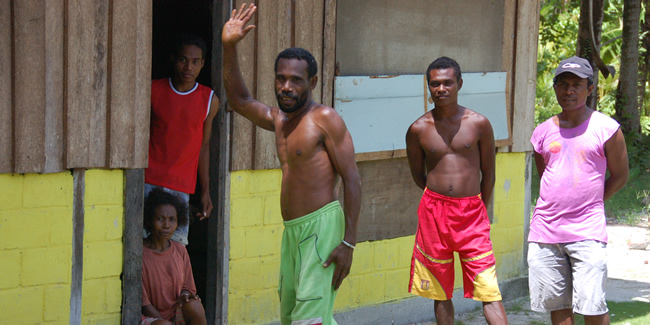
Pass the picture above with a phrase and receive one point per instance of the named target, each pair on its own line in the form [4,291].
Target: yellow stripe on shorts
[434,260]
[476,258]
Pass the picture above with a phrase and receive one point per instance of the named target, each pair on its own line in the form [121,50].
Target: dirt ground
[628,271]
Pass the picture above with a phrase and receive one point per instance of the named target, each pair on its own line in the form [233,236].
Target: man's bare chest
[298,144]
[441,141]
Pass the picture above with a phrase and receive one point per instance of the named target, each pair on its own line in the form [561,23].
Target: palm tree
[588,45]
[627,110]
[644,64]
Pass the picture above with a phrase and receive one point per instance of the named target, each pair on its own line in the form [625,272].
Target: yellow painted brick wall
[102,261]
[380,273]
[507,232]
[380,270]
[255,238]
[35,248]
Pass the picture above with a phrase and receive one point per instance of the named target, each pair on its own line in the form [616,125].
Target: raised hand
[235,28]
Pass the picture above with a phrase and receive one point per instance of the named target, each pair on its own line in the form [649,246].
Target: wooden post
[216,300]
[527,206]
[78,215]
[218,225]
[132,245]
[243,147]
[525,77]
[329,53]
[6,90]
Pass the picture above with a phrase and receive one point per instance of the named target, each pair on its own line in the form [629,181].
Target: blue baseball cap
[576,65]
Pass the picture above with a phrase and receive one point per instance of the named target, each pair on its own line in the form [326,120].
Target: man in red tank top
[181,122]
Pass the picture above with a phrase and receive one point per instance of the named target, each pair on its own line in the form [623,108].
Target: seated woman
[168,290]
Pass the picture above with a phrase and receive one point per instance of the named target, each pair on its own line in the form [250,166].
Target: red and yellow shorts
[447,225]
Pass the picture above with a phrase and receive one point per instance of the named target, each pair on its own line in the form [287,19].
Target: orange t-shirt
[164,275]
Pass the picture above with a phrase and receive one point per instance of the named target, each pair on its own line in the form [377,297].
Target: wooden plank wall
[130,87]
[75,84]
[329,53]
[507,62]
[242,144]
[274,34]
[309,24]
[6,99]
[525,67]
[86,100]
[29,98]
[389,202]
[520,60]
[390,197]
[285,23]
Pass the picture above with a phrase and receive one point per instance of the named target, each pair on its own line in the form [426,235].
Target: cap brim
[579,74]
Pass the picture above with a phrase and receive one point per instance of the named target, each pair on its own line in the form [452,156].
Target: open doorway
[175,17]
[203,18]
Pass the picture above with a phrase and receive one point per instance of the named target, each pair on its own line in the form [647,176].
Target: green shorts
[306,291]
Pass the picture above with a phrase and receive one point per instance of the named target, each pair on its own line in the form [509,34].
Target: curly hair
[299,54]
[157,197]
[444,62]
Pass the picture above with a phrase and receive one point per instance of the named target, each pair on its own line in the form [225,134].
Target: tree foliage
[558,35]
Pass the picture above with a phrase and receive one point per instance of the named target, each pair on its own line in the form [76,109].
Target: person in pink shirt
[567,255]
[168,289]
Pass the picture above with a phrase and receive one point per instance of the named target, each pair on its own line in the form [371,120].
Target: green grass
[625,313]
[518,307]
[620,313]
[626,206]
[536,323]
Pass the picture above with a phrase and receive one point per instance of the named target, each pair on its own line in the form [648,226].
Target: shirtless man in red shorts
[451,155]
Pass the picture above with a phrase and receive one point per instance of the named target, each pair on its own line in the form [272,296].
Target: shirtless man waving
[451,155]
[315,149]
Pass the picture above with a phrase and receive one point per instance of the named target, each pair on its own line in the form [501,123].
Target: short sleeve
[610,126]
[537,139]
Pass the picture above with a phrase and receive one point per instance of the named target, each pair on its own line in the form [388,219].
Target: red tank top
[176,135]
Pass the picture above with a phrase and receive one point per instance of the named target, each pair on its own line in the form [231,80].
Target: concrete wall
[36,232]
[380,270]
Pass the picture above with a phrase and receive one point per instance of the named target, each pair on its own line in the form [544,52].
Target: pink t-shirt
[164,276]
[570,207]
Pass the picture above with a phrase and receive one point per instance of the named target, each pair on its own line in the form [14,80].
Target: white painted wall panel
[379,110]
